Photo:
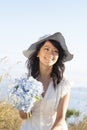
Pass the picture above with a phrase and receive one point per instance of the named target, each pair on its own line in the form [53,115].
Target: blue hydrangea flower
[24,92]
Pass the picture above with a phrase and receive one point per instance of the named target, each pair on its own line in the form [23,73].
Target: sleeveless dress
[44,112]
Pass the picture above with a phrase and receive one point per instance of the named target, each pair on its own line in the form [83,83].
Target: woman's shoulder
[65,86]
[65,81]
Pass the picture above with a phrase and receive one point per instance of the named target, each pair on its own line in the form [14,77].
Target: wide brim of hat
[57,37]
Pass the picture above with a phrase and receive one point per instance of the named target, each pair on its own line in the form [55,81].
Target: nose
[51,54]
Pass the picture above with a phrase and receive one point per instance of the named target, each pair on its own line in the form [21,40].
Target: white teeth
[48,59]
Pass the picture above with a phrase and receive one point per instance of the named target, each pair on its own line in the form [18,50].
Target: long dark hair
[58,67]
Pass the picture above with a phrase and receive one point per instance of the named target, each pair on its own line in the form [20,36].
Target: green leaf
[37,98]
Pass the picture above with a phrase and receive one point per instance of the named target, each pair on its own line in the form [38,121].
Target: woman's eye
[47,49]
[56,51]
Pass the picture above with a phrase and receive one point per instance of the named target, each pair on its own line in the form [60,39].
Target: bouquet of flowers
[24,92]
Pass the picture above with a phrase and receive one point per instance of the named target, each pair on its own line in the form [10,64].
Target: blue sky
[22,22]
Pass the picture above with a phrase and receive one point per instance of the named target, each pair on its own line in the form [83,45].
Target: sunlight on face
[48,54]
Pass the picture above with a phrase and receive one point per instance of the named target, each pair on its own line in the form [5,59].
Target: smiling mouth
[48,59]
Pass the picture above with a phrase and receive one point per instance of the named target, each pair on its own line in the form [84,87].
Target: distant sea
[78,101]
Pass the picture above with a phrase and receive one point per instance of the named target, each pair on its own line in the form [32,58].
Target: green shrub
[71,112]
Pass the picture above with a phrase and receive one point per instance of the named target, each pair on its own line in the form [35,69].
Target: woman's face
[48,54]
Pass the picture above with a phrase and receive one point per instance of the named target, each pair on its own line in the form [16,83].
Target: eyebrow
[48,46]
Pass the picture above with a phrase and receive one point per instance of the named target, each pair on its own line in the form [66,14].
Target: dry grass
[10,120]
[80,126]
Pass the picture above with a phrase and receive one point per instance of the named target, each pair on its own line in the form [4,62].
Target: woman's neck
[45,72]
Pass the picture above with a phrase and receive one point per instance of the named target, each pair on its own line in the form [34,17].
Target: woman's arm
[61,112]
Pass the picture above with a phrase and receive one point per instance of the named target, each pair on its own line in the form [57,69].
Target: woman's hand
[23,114]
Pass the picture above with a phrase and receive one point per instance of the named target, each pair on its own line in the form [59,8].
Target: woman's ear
[38,54]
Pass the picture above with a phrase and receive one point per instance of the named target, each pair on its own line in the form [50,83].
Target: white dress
[44,112]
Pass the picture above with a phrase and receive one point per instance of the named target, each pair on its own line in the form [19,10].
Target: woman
[45,62]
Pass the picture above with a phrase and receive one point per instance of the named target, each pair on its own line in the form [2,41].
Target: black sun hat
[58,37]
